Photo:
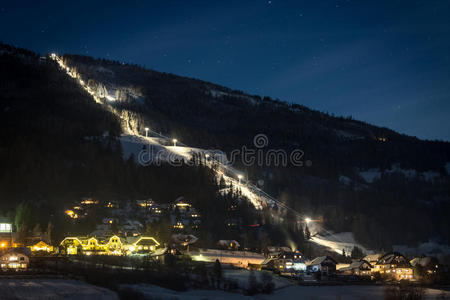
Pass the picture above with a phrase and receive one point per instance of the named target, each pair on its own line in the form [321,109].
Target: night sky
[384,62]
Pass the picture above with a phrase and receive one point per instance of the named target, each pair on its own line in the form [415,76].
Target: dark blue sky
[384,62]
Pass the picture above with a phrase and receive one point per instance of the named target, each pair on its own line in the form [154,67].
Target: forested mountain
[385,187]
[58,146]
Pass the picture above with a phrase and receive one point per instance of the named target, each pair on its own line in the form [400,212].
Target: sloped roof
[393,258]
[266,261]
[373,257]
[227,242]
[142,240]
[319,260]
[356,265]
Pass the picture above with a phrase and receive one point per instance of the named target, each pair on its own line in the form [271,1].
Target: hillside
[385,187]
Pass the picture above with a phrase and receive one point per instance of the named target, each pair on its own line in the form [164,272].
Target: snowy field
[338,241]
[53,289]
[286,293]
[241,278]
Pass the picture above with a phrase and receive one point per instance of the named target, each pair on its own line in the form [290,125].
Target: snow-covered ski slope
[146,147]
[339,242]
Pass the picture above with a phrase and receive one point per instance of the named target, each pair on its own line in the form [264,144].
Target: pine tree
[357,253]
[218,272]
[307,233]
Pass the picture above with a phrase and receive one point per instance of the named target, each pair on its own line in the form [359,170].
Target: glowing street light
[146,131]
[308,220]
[239,177]
[174,142]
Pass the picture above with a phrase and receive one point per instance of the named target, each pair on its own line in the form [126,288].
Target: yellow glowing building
[41,246]
[114,245]
[14,260]
[395,266]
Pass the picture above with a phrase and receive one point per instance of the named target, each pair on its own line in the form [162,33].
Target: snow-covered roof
[321,259]
[357,265]
[393,258]
[373,257]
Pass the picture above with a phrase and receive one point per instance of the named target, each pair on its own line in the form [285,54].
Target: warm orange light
[71,214]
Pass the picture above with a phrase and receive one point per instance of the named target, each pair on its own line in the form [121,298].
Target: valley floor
[14,288]
[285,293]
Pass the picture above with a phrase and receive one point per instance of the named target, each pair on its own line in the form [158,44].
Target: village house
[88,201]
[14,259]
[394,266]
[427,264]
[146,203]
[285,261]
[163,255]
[41,247]
[360,268]
[228,244]
[181,205]
[373,258]
[113,245]
[324,265]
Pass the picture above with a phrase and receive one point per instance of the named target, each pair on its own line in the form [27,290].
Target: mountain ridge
[185,109]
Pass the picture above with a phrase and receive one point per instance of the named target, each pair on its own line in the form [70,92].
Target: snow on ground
[219,94]
[237,258]
[348,135]
[349,182]
[158,148]
[338,241]
[345,180]
[292,292]
[241,277]
[155,292]
[430,175]
[370,175]
[52,289]
[133,144]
